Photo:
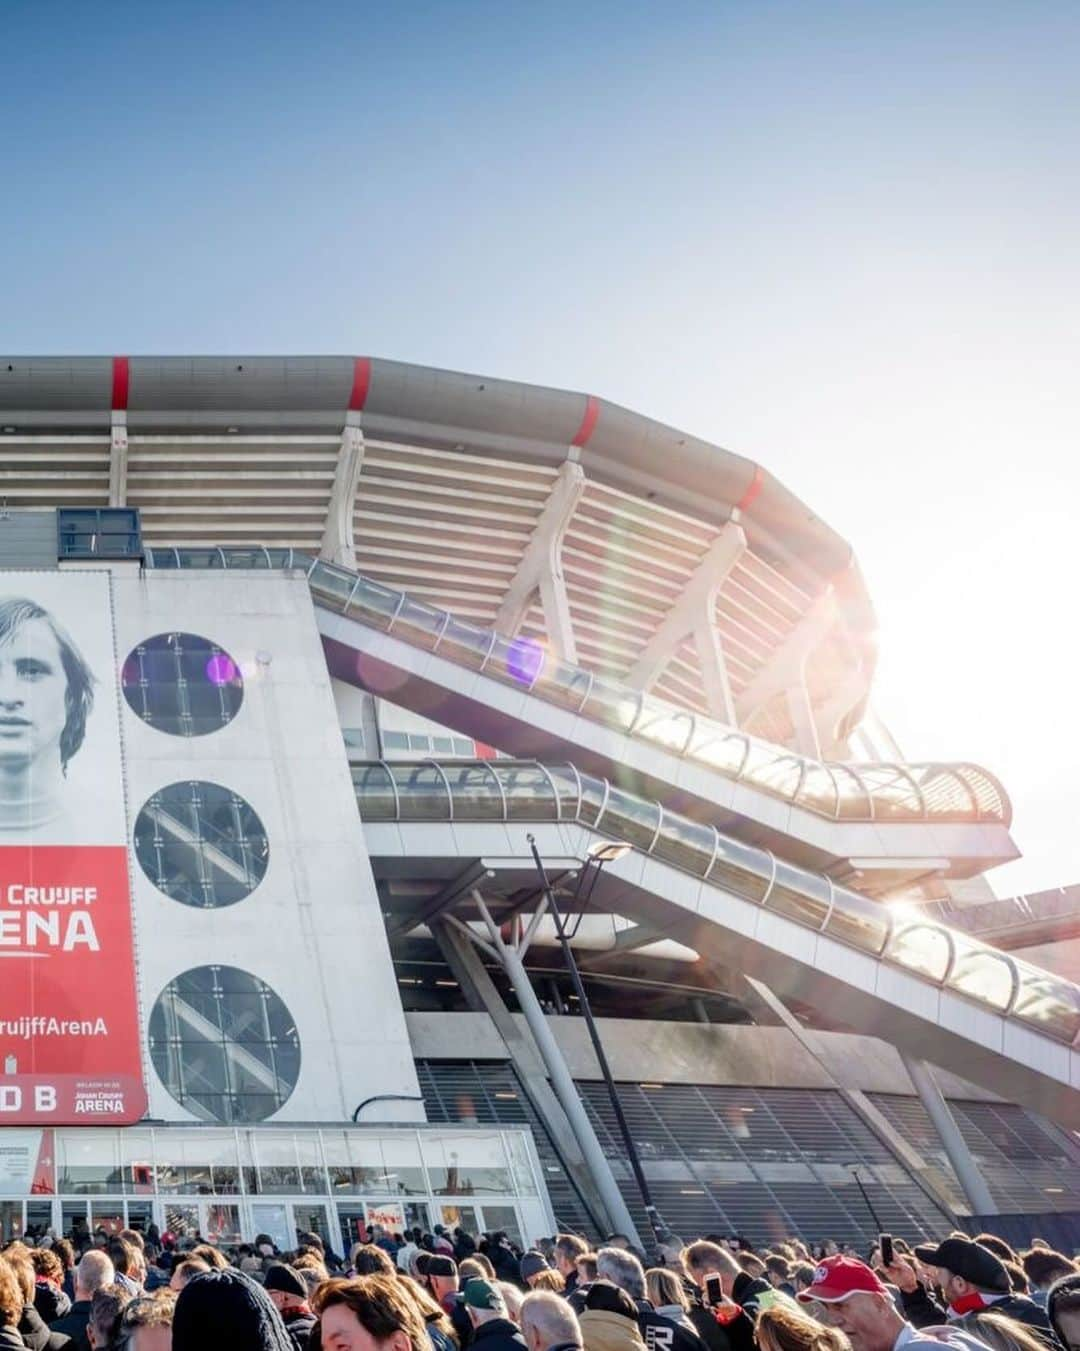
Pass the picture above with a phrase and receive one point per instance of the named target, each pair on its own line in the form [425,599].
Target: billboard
[69,1025]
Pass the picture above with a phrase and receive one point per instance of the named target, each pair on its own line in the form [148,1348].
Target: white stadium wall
[312,928]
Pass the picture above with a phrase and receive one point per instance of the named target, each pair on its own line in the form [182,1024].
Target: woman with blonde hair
[548,1280]
[781,1327]
[1000,1333]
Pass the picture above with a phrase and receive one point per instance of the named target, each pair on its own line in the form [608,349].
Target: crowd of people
[453,1292]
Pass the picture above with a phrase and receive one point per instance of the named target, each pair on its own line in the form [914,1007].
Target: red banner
[69,1026]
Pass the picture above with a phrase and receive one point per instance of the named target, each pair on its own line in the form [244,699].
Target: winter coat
[50,1301]
[73,1325]
[668,1329]
[299,1326]
[37,1335]
[498,1334]
[605,1331]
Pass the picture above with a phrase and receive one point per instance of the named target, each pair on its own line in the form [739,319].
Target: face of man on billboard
[33,694]
[46,692]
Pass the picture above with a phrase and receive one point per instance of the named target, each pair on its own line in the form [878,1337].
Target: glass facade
[224,1044]
[182,684]
[232,1184]
[201,844]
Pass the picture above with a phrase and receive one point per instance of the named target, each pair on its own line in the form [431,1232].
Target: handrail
[1034,997]
[961,792]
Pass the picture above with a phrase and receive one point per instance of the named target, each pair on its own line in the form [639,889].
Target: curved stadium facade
[373,629]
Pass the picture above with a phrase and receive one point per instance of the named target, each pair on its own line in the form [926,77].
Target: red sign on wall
[69,1031]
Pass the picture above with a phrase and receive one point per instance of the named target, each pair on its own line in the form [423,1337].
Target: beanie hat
[287,1279]
[227,1309]
[532,1264]
[440,1265]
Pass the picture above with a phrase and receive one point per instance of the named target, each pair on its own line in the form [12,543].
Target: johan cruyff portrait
[49,689]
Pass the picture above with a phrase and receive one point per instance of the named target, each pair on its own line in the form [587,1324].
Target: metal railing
[526,790]
[839,791]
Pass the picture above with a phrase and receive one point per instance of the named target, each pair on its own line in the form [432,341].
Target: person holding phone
[729,1297]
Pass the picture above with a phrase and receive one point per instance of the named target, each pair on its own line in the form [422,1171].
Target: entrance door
[272,1218]
[352,1220]
[311,1217]
[11,1220]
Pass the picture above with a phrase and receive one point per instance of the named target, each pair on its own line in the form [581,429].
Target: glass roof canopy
[525,790]
[840,791]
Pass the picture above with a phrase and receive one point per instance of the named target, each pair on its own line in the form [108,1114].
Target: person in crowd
[106,1310]
[93,1273]
[213,1257]
[996,1245]
[1043,1266]
[752,1264]
[609,1321]
[66,1253]
[549,1324]
[531,1265]
[146,1324]
[504,1263]
[289,1294]
[778,1274]
[971,1277]
[782,1328]
[669,1327]
[368,1260]
[1000,1333]
[723,1322]
[443,1243]
[126,1265]
[358,1313]
[185,1271]
[440,1330]
[550,1280]
[464,1245]
[49,1298]
[492,1327]
[11,1307]
[704,1259]
[32,1328]
[513,1297]
[565,1253]
[226,1309]
[857,1301]
[445,1284]
[1063,1310]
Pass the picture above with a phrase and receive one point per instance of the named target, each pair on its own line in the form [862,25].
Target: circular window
[224,1044]
[182,684]
[201,844]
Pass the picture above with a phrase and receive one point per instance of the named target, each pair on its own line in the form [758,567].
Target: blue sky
[839,238]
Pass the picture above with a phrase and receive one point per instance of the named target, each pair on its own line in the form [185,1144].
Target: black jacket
[660,1333]
[1025,1311]
[50,1301]
[299,1326]
[37,1335]
[498,1335]
[73,1325]
[920,1308]
[747,1292]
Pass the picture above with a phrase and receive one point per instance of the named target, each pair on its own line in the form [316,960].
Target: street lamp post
[600,854]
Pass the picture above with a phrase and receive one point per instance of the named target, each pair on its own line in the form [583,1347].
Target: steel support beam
[482,997]
[694,615]
[559,1074]
[785,673]
[540,569]
[338,544]
[937,1109]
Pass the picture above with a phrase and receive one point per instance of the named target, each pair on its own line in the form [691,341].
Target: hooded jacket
[605,1331]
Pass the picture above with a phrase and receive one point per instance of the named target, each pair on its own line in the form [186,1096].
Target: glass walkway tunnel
[696,757]
[930,989]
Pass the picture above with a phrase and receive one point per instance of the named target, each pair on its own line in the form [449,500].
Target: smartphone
[885,1241]
[714,1290]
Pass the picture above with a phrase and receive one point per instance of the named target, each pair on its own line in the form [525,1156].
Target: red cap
[838,1278]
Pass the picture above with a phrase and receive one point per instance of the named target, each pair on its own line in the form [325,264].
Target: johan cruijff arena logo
[69,1027]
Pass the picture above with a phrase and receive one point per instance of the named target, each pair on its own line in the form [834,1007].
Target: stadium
[399,718]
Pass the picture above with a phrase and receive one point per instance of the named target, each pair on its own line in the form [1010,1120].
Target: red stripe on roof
[361,384]
[121,376]
[750,496]
[588,422]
